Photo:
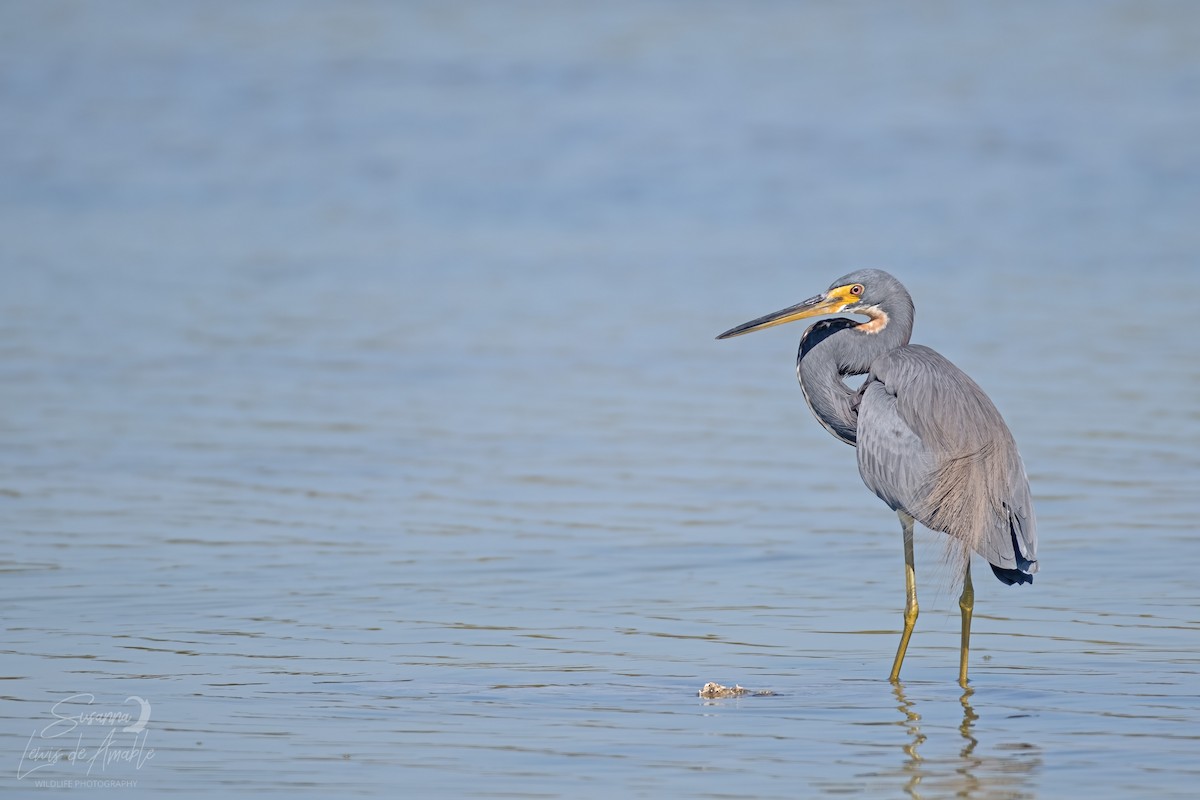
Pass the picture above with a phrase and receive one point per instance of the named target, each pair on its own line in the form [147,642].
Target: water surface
[361,413]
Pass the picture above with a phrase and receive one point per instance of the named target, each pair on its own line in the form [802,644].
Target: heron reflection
[972,773]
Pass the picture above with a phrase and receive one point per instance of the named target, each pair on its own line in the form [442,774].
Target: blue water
[360,411]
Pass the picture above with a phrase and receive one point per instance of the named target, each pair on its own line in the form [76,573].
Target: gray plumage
[930,443]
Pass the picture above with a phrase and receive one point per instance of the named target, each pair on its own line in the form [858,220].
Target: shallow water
[360,411]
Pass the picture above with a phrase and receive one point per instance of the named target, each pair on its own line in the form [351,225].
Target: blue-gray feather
[930,443]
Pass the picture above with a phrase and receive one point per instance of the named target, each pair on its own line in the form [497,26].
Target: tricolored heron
[930,443]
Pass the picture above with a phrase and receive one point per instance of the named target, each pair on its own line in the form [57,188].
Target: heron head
[866,291]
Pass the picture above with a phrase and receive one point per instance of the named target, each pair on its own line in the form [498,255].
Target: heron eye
[856,289]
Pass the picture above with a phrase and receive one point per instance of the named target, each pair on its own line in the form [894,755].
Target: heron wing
[893,461]
[937,446]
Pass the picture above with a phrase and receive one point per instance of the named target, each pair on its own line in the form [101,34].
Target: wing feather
[932,444]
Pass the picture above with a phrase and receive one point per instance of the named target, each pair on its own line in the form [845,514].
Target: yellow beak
[831,302]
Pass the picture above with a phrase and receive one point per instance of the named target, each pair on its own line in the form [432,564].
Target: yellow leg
[967,604]
[910,596]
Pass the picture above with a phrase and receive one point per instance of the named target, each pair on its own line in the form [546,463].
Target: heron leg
[967,603]
[910,596]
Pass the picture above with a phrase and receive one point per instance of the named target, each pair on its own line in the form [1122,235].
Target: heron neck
[834,349]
